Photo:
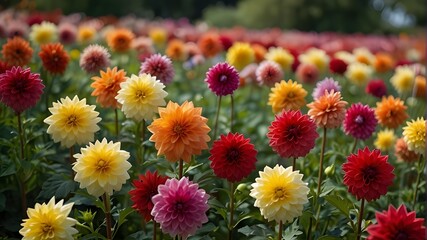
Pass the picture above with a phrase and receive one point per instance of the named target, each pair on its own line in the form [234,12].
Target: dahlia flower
[402,152]
[240,55]
[414,134]
[120,40]
[385,139]
[360,121]
[54,58]
[403,79]
[268,73]
[94,58]
[326,84]
[329,110]
[287,96]
[222,79]
[281,56]
[159,66]
[45,32]
[107,86]
[317,57]
[391,112]
[17,51]
[359,73]
[376,88]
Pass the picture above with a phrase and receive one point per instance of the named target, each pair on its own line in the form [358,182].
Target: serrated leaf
[57,185]
[123,214]
[342,204]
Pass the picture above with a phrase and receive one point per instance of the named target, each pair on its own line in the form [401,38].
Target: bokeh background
[346,16]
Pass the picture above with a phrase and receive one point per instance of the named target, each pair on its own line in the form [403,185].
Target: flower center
[140,94]
[19,86]
[359,119]
[291,95]
[369,174]
[223,78]
[292,132]
[279,193]
[48,230]
[401,235]
[72,120]
[233,155]
[178,129]
[179,207]
[102,165]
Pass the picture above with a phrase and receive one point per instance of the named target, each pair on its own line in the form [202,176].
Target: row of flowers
[179,132]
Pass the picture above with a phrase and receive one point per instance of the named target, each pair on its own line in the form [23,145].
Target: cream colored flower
[281,56]
[102,167]
[403,79]
[45,32]
[316,57]
[359,73]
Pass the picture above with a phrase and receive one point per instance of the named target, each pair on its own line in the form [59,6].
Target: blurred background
[346,16]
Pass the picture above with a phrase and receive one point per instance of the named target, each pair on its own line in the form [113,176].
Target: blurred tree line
[366,16]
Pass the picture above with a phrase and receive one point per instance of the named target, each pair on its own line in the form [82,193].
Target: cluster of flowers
[179,131]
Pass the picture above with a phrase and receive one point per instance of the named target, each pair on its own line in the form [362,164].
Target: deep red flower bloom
[360,121]
[226,42]
[296,62]
[397,224]
[145,189]
[222,79]
[159,66]
[20,89]
[4,66]
[233,157]
[292,134]
[376,88]
[338,66]
[55,59]
[367,174]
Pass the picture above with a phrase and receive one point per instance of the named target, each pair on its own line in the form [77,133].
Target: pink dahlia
[222,79]
[326,84]
[307,73]
[180,207]
[20,89]
[376,88]
[159,66]
[67,33]
[397,224]
[360,121]
[94,58]
[268,73]
[292,134]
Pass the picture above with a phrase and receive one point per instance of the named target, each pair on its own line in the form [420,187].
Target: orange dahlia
[120,40]
[176,50]
[55,59]
[17,51]
[383,62]
[107,85]
[259,51]
[210,44]
[328,110]
[180,132]
[391,112]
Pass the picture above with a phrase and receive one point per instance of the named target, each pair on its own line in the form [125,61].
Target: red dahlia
[338,66]
[376,88]
[145,189]
[20,89]
[367,174]
[4,66]
[397,224]
[233,157]
[54,57]
[292,134]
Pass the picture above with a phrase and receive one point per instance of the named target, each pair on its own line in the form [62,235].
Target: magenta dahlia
[360,121]
[326,84]
[159,66]
[222,79]
[268,73]
[292,134]
[20,89]
[180,207]
[233,157]
[397,224]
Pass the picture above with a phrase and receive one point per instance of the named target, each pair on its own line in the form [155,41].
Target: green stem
[116,118]
[180,170]
[232,113]
[359,221]
[21,136]
[217,117]
[354,145]
[322,151]
[154,230]
[230,226]
[294,163]
[279,236]
[106,199]
[142,141]
[72,160]
[420,171]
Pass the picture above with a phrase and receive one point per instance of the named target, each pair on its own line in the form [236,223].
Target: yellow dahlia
[158,36]
[72,121]
[102,167]
[240,55]
[45,32]
[86,34]
[287,95]
[385,140]
[414,135]
[403,79]
[49,221]
[316,57]
[180,132]
[363,55]
[280,193]
[140,96]
[359,73]
[281,56]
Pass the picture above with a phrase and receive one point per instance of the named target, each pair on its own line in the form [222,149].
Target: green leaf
[342,204]
[57,185]
[7,168]
[123,214]
[292,232]
[328,238]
